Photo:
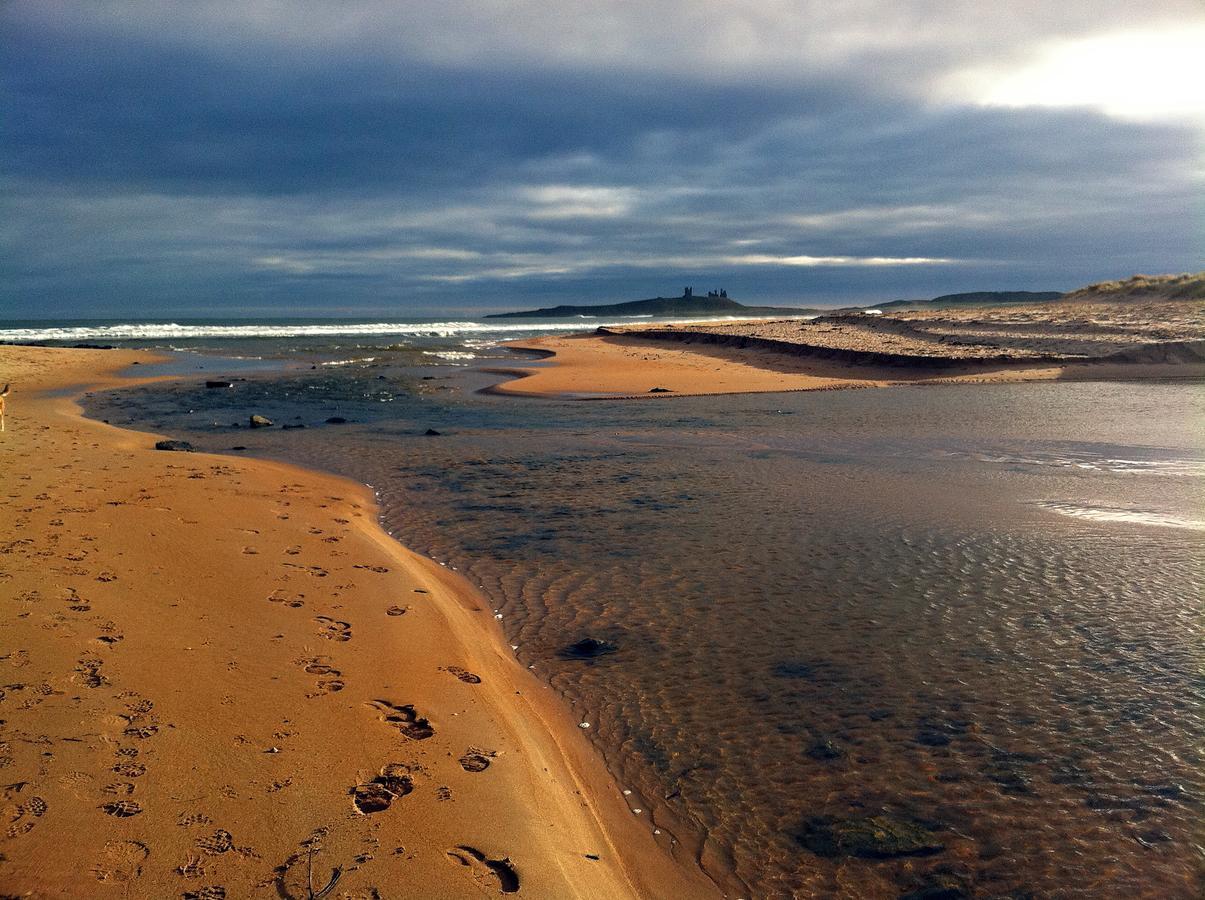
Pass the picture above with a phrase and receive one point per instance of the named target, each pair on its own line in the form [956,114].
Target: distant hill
[685,306]
[978,298]
[971,298]
[1144,287]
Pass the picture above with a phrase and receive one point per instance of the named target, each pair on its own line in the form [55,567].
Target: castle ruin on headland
[688,293]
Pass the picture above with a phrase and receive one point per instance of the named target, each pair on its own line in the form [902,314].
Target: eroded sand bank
[755,357]
[219,675]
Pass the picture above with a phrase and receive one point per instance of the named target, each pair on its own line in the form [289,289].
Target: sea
[917,642]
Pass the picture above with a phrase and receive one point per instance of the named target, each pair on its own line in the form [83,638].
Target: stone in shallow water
[181,446]
[824,750]
[260,422]
[793,669]
[932,738]
[588,648]
[940,886]
[870,837]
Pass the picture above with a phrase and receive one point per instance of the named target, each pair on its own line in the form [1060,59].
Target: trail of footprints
[123,861]
[329,681]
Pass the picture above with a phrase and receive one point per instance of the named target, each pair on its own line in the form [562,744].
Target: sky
[260,158]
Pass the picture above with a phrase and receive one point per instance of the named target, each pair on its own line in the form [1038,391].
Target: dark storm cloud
[150,167]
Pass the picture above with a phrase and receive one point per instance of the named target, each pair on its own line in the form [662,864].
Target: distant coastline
[687,305]
[718,303]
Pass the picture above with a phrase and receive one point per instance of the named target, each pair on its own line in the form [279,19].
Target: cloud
[1141,75]
[377,155]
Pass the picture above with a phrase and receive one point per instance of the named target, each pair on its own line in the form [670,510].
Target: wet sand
[220,677]
[630,365]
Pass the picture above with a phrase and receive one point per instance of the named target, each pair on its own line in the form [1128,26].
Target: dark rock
[940,887]
[793,670]
[219,384]
[823,750]
[660,390]
[428,378]
[260,422]
[336,420]
[587,648]
[297,425]
[1012,779]
[932,738]
[239,447]
[135,363]
[431,432]
[182,446]
[871,837]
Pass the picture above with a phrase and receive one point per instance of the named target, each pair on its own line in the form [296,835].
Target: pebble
[583,725]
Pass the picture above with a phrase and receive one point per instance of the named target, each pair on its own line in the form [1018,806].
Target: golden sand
[220,675]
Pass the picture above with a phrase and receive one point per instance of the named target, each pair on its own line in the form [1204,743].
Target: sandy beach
[1031,342]
[221,678]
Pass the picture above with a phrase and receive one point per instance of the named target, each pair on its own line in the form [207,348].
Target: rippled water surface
[971,612]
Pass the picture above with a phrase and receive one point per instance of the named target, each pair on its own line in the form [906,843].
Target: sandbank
[987,345]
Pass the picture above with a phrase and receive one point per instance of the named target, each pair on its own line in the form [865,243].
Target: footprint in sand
[333,629]
[121,861]
[377,795]
[405,719]
[463,674]
[476,759]
[221,841]
[78,784]
[396,611]
[489,873]
[294,602]
[122,809]
[192,867]
[330,679]
[209,892]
